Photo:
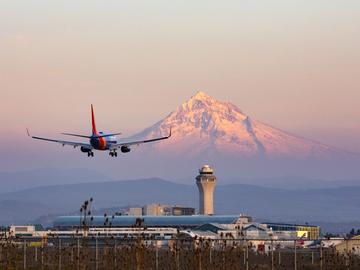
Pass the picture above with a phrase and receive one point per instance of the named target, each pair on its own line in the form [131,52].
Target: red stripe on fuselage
[102,143]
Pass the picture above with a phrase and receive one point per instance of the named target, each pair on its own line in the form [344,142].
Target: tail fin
[94,132]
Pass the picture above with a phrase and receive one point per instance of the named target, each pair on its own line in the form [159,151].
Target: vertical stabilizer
[94,132]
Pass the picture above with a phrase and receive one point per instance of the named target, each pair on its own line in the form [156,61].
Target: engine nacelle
[84,149]
[125,149]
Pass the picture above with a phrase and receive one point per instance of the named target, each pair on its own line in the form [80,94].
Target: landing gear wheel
[115,153]
[92,154]
[88,154]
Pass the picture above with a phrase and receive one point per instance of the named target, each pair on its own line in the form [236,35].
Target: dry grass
[137,254]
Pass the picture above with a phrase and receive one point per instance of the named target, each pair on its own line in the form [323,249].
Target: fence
[181,254]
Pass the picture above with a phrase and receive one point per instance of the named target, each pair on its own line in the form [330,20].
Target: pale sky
[292,64]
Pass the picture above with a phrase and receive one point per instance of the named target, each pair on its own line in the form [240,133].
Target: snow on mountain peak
[199,100]
[205,126]
[201,95]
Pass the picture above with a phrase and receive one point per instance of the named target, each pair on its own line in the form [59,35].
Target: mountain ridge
[260,202]
[205,126]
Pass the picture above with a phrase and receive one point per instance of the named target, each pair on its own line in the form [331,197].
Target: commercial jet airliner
[100,141]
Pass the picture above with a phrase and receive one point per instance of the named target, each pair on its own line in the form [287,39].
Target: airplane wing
[74,144]
[119,145]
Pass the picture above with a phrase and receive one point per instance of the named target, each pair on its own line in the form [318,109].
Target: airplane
[100,141]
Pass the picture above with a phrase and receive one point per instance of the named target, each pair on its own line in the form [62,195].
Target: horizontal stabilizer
[89,137]
[107,135]
[77,135]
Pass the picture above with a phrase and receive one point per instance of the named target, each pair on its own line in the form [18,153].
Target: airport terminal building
[180,222]
[232,223]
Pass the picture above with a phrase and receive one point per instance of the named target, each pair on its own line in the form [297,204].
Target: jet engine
[84,149]
[125,149]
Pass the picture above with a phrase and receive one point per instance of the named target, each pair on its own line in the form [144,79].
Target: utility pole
[78,253]
[96,253]
[59,254]
[24,254]
[247,256]
[321,256]
[272,255]
[295,258]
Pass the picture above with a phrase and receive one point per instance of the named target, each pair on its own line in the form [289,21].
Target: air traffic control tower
[206,182]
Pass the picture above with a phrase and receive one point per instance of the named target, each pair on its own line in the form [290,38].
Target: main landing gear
[113,153]
[90,154]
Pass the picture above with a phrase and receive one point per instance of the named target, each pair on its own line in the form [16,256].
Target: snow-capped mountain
[208,127]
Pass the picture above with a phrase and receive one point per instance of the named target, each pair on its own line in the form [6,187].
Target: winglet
[28,133]
[170,132]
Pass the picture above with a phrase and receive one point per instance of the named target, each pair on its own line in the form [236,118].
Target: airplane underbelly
[99,144]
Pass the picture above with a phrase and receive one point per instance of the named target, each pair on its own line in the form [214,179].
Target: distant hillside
[340,204]
[15,181]
[19,212]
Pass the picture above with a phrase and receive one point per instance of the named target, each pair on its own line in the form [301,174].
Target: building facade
[157,209]
[302,231]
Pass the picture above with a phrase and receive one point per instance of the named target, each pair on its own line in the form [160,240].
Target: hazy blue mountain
[328,205]
[70,197]
[295,182]
[20,212]
[15,181]
[20,180]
